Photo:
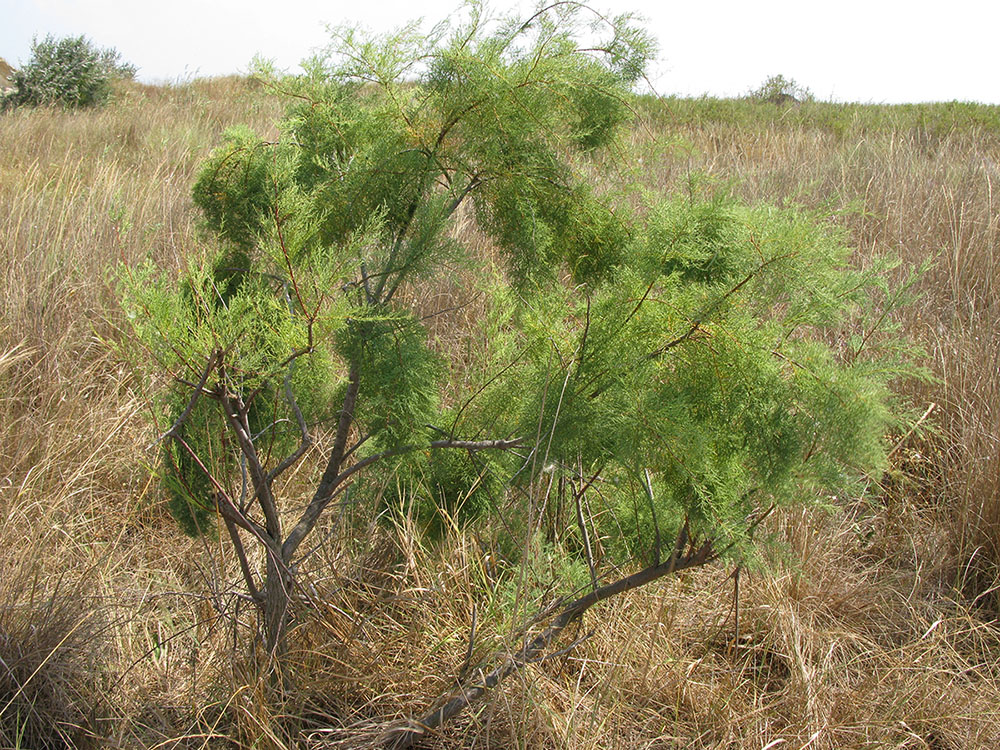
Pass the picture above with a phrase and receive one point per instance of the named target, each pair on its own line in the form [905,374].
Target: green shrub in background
[780,90]
[71,72]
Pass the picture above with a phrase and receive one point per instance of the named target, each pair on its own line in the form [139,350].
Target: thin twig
[652,510]
[581,523]
[198,390]
[472,643]
[909,432]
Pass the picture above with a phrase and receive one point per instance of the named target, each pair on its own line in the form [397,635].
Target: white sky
[846,50]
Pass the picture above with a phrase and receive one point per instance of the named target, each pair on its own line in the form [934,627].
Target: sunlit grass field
[875,626]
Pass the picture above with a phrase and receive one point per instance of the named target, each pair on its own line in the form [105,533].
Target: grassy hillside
[877,629]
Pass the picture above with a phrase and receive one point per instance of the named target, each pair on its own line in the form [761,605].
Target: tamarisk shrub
[685,354]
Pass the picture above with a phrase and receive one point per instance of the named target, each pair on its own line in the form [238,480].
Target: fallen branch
[405,736]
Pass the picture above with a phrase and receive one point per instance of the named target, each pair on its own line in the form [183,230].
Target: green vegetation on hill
[6,75]
[846,121]
[70,72]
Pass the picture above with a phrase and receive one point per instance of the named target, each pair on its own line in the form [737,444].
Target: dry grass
[878,632]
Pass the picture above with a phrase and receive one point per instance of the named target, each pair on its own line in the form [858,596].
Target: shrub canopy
[686,359]
[71,72]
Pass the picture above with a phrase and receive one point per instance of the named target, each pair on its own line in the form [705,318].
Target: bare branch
[234,535]
[198,390]
[319,502]
[479,445]
[235,411]
[404,737]
[696,323]
[305,441]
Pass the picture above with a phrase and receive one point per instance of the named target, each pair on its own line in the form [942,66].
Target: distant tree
[780,90]
[71,72]
[685,356]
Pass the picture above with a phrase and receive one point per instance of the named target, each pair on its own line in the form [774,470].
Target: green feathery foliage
[688,353]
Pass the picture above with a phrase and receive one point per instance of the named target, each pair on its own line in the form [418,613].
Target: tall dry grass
[876,632]
[81,192]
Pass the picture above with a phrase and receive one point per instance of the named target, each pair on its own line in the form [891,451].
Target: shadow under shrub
[51,663]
